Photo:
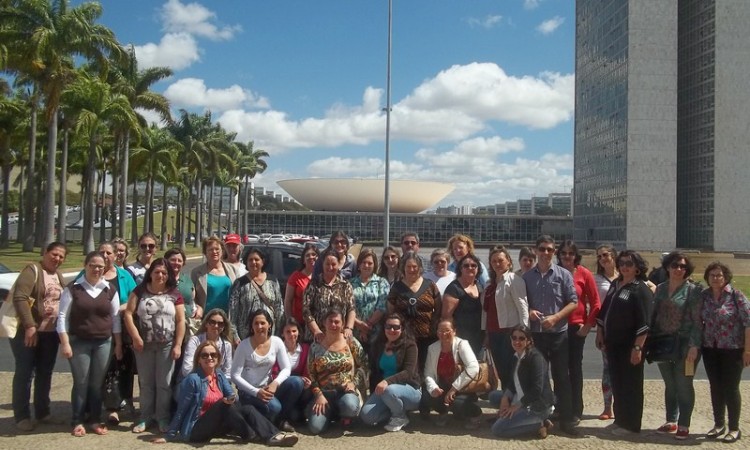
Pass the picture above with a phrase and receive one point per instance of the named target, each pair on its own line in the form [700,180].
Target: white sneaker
[397,423]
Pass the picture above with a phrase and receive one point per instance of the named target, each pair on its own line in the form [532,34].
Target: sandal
[606,415]
[163,426]
[140,427]
[732,436]
[716,432]
[79,431]
[100,429]
[113,418]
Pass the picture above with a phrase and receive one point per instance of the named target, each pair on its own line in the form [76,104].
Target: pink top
[298,281]
[588,298]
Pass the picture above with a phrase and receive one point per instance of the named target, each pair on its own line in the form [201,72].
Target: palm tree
[250,163]
[45,37]
[97,107]
[221,156]
[12,114]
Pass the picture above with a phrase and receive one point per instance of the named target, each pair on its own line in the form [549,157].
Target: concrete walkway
[417,436]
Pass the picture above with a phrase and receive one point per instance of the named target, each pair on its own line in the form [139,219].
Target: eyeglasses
[444,331]
[678,266]
[546,249]
[211,355]
[340,242]
[603,255]
[148,246]
[469,266]
[96,267]
[439,261]
[390,327]
[625,263]
[389,257]
[409,243]
[716,276]
[567,253]
[216,323]
[518,338]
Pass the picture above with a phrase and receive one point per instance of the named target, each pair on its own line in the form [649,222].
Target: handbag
[111,398]
[486,379]
[663,348]
[8,313]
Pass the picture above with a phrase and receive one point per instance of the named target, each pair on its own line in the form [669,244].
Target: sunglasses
[409,243]
[216,323]
[546,249]
[518,338]
[211,355]
[625,263]
[148,246]
[603,255]
[469,266]
[678,266]
[567,253]
[340,242]
[390,327]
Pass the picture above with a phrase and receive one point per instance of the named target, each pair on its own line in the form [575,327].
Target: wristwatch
[637,348]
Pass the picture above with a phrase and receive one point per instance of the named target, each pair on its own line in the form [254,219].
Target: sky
[482,91]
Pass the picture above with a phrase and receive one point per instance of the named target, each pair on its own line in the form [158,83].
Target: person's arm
[187,360]
[471,365]
[179,332]
[533,384]
[518,294]
[22,291]
[235,293]
[430,369]
[409,369]
[62,323]
[449,304]
[116,325]
[308,314]
[484,277]
[130,324]
[591,296]
[289,298]
[280,311]
[200,291]
[351,313]
[641,303]
[282,359]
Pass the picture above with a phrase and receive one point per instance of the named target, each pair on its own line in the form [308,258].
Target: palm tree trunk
[147,195]
[134,221]
[6,168]
[102,216]
[164,210]
[88,209]
[150,210]
[221,206]
[62,205]
[245,228]
[26,230]
[210,220]
[49,196]
[115,170]
[124,166]
[198,212]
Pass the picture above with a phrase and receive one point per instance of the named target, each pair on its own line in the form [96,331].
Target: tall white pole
[387,205]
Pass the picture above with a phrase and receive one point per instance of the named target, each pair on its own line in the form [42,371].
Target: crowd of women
[221,352]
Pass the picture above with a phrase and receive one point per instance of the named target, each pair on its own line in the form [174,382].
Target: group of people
[221,352]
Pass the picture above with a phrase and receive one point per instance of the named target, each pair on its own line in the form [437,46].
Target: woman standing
[526,259]
[677,311]
[440,275]
[338,245]
[606,273]
[122,250]
[418,301]
[177,259]
[254,291]
[206,408]
[726,348]
[623,325]
[89,316]
[214,278]
[389,262]
[124,369]
[157,340]
[370,292]
[298,281]
[337,368]
[36,343]
[459,246]
[506,307]
[581,320]
[526,403]
[252,368]
[146,253]
[394,373]
[462,302]
[442,386]
[214,328]
[326,291]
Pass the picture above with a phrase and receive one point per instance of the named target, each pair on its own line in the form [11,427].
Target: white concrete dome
[365,194]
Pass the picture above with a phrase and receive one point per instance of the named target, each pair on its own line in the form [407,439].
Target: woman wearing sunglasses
[338,245]
[462,301]
[214,328]
[526,403]
[207,409]
[623,324]
[394,373]
[146,254]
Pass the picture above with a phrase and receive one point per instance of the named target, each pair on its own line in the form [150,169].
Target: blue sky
[482,90]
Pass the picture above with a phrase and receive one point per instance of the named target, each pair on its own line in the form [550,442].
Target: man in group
[234,253]
[552,297]
[410,243]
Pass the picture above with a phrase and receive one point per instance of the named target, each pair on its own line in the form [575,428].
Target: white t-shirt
[251,371]
[440,282]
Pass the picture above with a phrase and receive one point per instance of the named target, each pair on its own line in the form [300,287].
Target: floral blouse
[725,320]
[244,299]
[678,313]
[369,297]
[319,297]
[330,370]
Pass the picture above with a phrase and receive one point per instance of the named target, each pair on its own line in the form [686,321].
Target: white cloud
[531,4]
[151,117]
[488,21]
[175,50]
[192,92]
[549,26]
[195,19]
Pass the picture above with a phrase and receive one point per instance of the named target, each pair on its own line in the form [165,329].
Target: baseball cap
[232,239]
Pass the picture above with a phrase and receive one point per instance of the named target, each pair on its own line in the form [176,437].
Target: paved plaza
[418,435]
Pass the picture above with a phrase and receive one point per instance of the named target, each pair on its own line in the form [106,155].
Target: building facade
[662,124]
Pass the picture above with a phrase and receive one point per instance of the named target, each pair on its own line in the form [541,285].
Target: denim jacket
[190,398]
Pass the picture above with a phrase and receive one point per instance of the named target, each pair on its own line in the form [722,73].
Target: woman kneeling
[527,402]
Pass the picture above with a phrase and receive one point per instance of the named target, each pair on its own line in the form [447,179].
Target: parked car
[7,278]
[282,259]
[252,238]
[274,238]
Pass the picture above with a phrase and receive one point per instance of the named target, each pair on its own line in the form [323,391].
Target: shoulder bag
[666,347]
[8,313]
[486,379]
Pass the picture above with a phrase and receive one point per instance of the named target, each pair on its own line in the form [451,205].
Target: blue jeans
[88,366]
[339,405]
[679,395]
[155,366]
[33,363]
[524,421]
[270,410]
[395,401]
[289,393]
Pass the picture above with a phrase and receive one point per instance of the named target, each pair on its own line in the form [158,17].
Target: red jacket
[588,298]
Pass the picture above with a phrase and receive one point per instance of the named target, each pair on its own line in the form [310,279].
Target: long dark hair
[309,246]
[171,281]
[380,342]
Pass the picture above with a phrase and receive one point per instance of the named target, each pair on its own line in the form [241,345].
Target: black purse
[663,348]
[111,398]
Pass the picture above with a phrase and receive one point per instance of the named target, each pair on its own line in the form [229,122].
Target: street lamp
[387,202]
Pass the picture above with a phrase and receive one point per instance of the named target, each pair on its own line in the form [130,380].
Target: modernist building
[662,124]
